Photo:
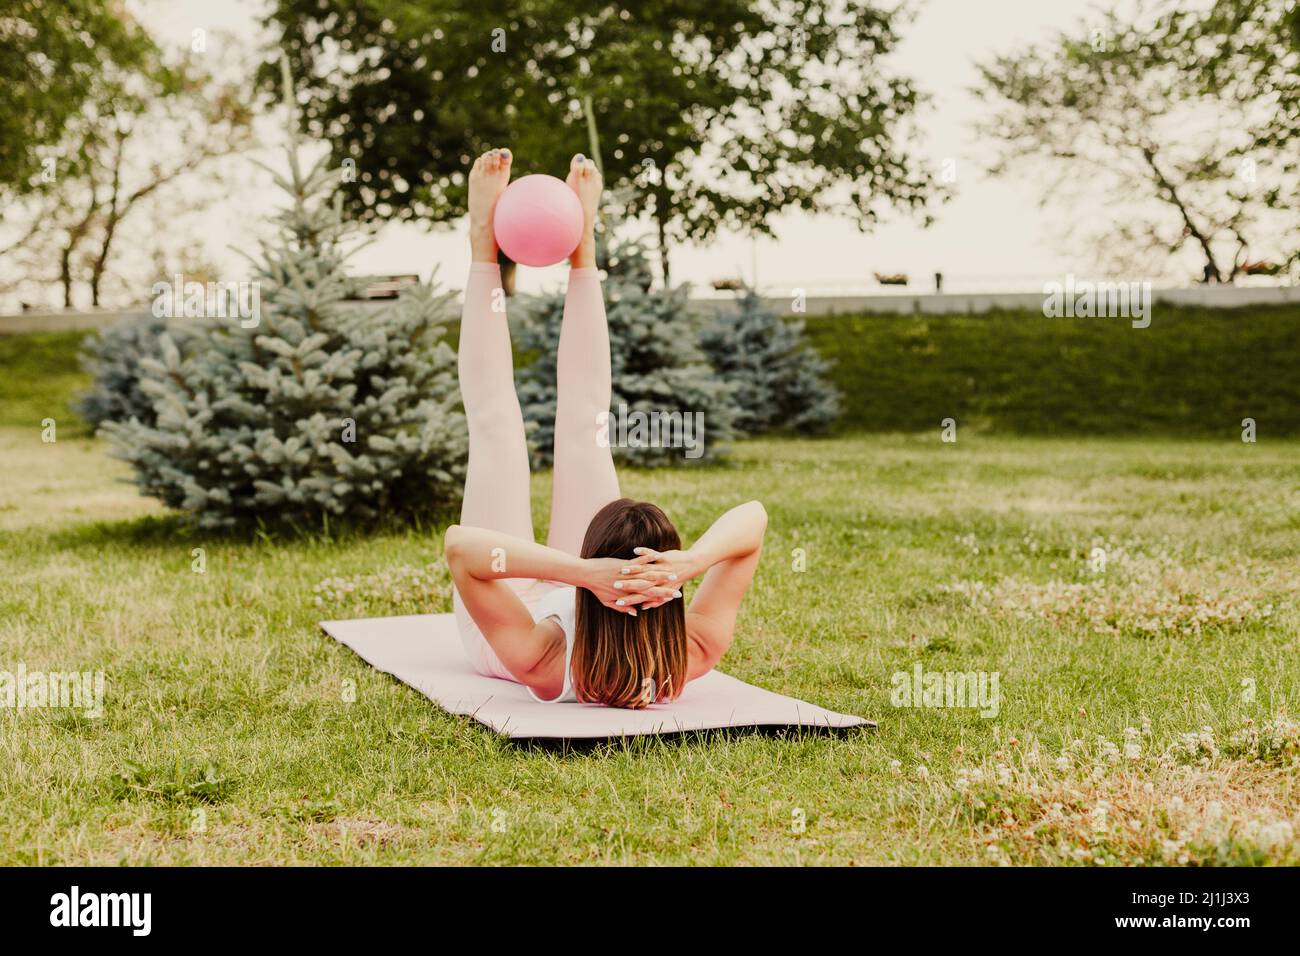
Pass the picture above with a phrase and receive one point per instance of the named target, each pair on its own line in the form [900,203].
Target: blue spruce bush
[112,358]
[323,410]
[780,381]
[657,366]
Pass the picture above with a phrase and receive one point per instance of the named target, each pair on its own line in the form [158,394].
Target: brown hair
[620,660]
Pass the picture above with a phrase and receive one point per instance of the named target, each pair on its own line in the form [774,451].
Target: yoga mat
[425,652]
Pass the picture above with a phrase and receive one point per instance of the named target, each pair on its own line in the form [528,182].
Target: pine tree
[657,365]
[112,358]
[322,409]
[780,382]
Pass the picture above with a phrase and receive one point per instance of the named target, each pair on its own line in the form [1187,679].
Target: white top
[559,605]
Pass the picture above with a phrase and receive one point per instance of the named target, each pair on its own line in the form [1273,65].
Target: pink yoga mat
[424,651]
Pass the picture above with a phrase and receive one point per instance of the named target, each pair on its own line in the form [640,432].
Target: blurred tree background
[100,131]
[1182,124]
[51,58]
[717,113]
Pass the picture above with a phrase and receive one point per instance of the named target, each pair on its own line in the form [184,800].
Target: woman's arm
[730,551]
[479,560]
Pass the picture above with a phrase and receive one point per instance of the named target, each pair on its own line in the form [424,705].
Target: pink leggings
[496,484]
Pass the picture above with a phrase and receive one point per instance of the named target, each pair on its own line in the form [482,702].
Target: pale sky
[991,235]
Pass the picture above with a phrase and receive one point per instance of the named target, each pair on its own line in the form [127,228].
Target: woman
[595,614]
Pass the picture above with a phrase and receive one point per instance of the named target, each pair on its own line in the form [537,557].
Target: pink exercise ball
[538,220]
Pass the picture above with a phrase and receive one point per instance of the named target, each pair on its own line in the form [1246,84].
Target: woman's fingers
[652,562]
[633,584]
[651,557]
[645,578]
[659,597]
[664,596]
[641,560]
[655,594]
[641,586]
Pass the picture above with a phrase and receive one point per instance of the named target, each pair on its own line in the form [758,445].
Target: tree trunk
[76,234]
[662,222]
[65,272]
[110,224]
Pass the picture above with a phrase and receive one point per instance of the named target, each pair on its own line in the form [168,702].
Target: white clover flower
[1276,835]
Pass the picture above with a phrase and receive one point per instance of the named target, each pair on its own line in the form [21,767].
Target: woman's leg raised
[496,481]
[584,476]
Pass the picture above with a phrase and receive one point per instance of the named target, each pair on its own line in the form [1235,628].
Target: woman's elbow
[760,513]
[453,543]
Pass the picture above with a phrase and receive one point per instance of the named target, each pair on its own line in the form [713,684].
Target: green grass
[1192,372]
[39,378]
[228,735]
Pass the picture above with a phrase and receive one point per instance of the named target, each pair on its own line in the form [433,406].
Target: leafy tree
[139,134]
[1247,53]
[1112,113]
[718,112]
[51,58]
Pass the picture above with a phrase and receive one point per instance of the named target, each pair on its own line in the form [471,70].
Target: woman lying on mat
[594,614]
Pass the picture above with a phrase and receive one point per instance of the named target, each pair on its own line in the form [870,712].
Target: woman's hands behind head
[675,567]
[626,585]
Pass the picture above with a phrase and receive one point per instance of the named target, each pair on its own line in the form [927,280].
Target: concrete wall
[61,321]
[1222,297]
[931,304]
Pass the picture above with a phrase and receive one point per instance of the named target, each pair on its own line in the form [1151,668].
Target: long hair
[620,660]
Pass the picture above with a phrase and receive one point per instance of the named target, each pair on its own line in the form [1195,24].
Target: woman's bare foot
[584,179]
[487,181]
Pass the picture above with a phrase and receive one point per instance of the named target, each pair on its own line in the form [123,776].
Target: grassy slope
[227,669]
[1192,372]
[39,377]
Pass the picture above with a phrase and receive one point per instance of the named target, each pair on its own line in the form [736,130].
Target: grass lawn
[1142,716]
